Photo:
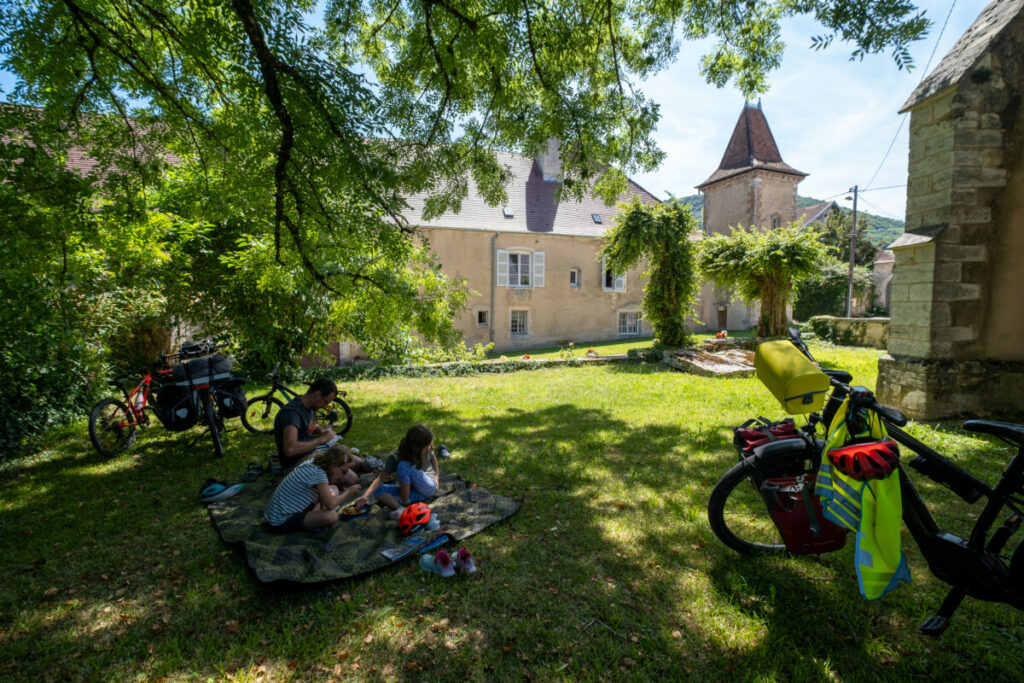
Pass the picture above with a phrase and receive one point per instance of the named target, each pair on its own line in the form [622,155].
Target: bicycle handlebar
[860,396]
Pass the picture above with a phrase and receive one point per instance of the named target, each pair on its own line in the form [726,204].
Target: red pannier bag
[759,431]
[798,516]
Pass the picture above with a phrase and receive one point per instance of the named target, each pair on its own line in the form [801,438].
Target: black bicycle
[259,416]
[979,566]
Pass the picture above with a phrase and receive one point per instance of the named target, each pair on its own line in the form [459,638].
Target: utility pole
[853,253]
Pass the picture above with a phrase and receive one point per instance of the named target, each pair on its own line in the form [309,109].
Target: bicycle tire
[213,421]
[112,427]
[739,516]
[339,413]
[259,416]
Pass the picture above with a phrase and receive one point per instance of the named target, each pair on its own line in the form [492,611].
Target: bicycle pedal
[933,626]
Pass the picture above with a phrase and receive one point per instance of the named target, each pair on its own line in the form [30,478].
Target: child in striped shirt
[308,498]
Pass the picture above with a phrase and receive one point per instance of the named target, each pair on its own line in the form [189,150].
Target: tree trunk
[773,320]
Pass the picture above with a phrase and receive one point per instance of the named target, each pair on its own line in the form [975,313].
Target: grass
[113,571]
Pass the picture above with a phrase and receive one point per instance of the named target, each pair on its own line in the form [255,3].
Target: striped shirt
[296,493]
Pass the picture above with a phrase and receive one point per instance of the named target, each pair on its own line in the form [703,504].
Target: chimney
[549,163]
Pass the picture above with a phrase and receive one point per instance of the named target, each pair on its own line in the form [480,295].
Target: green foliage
[661,236]
[295,147]
[824,292]
[762,266]
[835,233]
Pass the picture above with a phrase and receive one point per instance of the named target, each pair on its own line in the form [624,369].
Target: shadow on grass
[115,569]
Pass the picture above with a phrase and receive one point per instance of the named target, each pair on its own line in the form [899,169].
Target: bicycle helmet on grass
[413,518]
[865,459]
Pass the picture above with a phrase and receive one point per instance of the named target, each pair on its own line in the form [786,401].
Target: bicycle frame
[970,566]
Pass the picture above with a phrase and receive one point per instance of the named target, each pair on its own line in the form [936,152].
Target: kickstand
[935,625]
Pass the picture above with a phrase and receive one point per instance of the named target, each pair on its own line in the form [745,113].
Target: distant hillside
[883,230]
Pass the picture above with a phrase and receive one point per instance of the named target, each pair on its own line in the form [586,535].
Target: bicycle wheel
[339,414]
[258,418]
[214,422]
[111,427]
[739,516]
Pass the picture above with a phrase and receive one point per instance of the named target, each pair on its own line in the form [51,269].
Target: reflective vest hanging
[872,509]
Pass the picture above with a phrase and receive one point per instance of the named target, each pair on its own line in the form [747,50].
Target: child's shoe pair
[443,565]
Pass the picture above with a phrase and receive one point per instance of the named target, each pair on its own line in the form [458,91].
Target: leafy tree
[763,266]
[824,291]
[661,236]
[294,148]
[835,232]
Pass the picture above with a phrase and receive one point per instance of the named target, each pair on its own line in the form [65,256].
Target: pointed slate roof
[752,146]
[965,53]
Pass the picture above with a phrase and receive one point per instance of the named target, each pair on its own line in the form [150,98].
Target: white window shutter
[538,269]
[620,283]
[503,268]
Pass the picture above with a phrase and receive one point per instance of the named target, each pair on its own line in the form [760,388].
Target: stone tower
[752,186]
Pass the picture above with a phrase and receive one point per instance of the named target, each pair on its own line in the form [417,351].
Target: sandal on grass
[252,472]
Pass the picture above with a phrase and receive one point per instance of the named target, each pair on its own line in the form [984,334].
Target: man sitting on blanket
[297,433]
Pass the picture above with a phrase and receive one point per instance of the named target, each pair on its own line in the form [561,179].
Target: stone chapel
[752,186]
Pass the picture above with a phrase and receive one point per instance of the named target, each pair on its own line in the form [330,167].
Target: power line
[904,117]
[880,209]
[876,189]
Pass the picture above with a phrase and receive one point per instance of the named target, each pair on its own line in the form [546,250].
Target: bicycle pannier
[230,395]
[204,370]
[798,516]
[175,408]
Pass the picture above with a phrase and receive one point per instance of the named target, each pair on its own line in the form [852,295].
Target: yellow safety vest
[872,509]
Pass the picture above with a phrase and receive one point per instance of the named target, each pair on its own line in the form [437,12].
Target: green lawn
[113,571]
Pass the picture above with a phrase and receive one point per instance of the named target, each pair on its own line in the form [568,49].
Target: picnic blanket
[350,547]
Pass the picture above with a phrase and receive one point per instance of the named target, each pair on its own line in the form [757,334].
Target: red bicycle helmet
[413,518]
[866,460]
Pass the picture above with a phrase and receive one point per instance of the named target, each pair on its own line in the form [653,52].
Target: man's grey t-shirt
[296,415]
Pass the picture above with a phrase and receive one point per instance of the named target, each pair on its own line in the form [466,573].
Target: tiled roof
[752,146]
[532,204]
[815,212]
[963,55]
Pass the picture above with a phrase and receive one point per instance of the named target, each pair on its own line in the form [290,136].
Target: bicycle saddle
[1004,430]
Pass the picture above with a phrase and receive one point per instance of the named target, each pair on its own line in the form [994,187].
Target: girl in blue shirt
[417,473]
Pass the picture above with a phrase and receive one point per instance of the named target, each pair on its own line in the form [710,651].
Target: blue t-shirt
[418,480]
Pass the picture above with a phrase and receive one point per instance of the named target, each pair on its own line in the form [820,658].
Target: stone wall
[873,332]
[957,337]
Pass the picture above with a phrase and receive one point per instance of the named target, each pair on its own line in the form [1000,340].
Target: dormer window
[597,218]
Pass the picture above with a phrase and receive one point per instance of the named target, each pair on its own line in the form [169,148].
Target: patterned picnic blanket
[350,547]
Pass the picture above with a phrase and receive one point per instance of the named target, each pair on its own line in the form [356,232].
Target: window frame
[512,316]
[618,279]
[623,323]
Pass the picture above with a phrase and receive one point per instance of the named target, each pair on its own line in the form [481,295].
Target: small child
[415,468]
[308,497]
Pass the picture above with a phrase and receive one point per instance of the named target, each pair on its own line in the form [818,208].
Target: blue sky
[832,118]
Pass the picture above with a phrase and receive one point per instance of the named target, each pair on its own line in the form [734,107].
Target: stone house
[535,262]
[956,343]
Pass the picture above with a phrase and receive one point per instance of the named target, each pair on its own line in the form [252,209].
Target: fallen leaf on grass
[345,597]
[368,639]
[677,634]
[233,626]
[626,661]
[50,592]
